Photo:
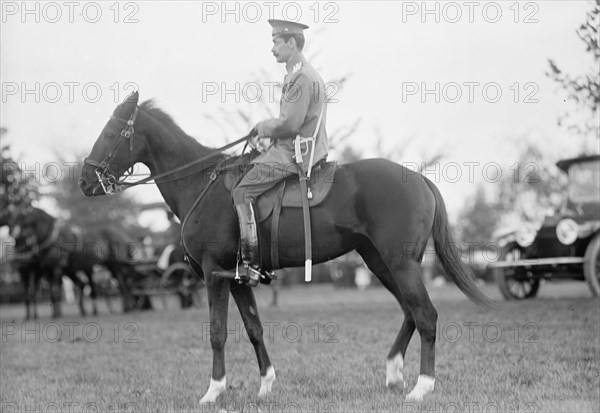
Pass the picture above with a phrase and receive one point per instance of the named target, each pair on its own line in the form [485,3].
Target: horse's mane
[150,107]
[157,113]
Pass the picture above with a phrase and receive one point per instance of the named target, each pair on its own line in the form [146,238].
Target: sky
[462,79]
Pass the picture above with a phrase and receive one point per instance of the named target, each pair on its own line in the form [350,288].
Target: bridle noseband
[110,183]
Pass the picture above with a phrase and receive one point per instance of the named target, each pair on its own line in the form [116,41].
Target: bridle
[110,183]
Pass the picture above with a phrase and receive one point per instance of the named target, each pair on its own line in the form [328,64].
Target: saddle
[286,194]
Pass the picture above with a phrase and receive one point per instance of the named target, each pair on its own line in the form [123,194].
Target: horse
[380,209]
[46,249]
[49,249]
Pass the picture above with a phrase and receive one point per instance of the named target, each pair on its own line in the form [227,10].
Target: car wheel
[591,265]
[511,287]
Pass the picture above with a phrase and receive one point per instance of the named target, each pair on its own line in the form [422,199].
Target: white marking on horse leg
[394,376]
[214,390]
[266,382]
[424,385]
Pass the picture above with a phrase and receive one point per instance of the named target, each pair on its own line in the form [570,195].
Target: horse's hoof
[394,377]
[413,398]
[214,390]
[266,383]
[400,384]
[425,385]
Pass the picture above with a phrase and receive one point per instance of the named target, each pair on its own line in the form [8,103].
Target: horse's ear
[132,98]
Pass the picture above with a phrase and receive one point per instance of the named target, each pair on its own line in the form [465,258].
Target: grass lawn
[328,348]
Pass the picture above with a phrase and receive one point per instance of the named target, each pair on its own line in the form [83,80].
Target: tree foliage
[528,190]
[18,189]
[478,218]
[583,89]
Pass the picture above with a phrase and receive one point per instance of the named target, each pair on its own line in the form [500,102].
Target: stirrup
[267,276]
[247,275]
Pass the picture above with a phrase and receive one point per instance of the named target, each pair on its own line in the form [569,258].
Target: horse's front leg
[218,302]
[244,298]
[30,294]
[80,289]
[93,294]
[55,278]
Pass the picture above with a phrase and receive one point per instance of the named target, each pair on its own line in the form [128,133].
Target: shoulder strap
[319,121]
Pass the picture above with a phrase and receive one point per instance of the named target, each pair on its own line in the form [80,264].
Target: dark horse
[382,210]
[45,249]
[48,249]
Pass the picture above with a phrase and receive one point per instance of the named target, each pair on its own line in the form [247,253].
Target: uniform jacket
[302,98]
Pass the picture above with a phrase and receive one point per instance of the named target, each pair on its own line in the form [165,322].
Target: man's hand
[253,132]
[253,137]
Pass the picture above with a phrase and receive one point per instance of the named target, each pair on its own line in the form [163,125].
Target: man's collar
[295,63]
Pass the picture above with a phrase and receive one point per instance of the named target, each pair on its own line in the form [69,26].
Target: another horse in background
[46,248]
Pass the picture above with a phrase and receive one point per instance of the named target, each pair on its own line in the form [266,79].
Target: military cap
[286,27]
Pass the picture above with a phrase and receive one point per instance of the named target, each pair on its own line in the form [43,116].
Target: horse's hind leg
[89,273]
[244,298]
[407,274]
[218,302]
[395,359]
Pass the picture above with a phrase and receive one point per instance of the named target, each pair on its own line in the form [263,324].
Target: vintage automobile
[566,246]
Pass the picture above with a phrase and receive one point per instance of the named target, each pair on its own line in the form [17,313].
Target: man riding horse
[302,114]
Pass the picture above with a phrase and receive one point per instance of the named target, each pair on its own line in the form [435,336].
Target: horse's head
[28,227]
[114,151]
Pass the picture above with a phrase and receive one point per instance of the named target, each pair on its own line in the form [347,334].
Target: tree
[18,189]
[583,89]
[527,191]
[478,218]
[531,188]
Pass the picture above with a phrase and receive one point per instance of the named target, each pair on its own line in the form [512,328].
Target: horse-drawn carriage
[567,246]
[101,262]
[167,275]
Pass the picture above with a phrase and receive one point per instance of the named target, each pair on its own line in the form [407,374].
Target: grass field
[328,348]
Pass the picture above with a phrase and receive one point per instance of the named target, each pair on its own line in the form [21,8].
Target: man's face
[282,50]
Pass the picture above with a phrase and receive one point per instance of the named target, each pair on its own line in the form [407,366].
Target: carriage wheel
[180,277]
[511,287]
[591,265]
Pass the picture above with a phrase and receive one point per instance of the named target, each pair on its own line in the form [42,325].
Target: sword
[305,209]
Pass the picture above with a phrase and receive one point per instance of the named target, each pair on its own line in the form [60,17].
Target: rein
[111,184]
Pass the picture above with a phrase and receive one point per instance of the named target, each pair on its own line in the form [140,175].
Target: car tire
[511,288]
[591,265]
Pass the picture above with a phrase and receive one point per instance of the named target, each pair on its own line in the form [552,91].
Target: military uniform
[301,112]
[302,100]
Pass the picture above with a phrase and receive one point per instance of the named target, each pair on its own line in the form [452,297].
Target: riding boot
[249,240]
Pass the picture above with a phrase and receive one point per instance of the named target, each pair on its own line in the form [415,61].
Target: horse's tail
[449,256]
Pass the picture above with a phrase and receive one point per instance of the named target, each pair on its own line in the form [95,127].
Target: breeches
[261,178]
